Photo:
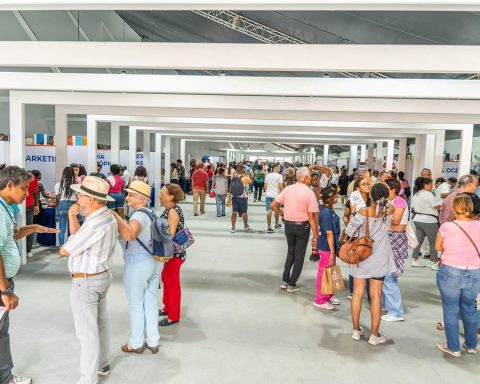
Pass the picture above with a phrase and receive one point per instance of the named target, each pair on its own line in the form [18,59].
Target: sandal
[440,326]
[125,348]
[165,322]
[154,350]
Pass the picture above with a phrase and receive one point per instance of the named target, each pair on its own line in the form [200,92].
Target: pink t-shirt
[399,202]
[458,250]
[298,200]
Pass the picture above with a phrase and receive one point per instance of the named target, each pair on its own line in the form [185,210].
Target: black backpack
[236,187]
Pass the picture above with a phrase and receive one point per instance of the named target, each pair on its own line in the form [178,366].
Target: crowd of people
[439,222]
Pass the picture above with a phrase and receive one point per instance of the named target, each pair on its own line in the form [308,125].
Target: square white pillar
[402,154]
[417,158]
[363,153]
[466,139]
[428,152]
[182,151]
[437,170]
[60,141]
[132,149]
[167,159]
[379,157]
[371,149]
[91,144]
[353,157]
[157,176]
[390,148]
[146,150]
[326,148]
[115,143]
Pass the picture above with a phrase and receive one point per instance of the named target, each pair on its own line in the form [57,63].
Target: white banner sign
[450,169]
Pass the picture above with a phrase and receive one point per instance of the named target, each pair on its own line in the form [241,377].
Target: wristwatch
[8,291]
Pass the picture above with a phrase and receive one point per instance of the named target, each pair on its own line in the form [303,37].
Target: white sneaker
[247,228]
[349,296]
[232,230]
[356,335]
[326,305]
[334,301]
[391,318]
[434,267]
[29,254]
[418,264]
[376,340]
[470,351]
[20,380]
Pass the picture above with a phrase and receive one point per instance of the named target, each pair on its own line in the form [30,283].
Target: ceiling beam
[244,57]
[301,5]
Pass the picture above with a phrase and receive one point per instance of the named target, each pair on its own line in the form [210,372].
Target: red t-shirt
[199,180]
[32,188]
[209,173]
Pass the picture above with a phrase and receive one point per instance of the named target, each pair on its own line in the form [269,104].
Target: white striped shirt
[92,246]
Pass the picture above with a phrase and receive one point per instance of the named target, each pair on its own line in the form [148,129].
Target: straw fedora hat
[138,186]
[93,186]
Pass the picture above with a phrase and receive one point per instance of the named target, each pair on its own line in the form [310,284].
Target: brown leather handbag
[356,250]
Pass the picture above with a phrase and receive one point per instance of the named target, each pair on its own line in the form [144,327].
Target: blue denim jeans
[391,296]
[220,200]
[141,279]
[458,289]
[62,218]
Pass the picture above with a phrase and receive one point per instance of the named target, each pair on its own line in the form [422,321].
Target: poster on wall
[450,169]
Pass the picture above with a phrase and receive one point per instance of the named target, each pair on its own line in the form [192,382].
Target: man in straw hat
[89,249]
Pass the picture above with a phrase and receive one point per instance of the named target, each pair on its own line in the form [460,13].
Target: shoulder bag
[477,300]
[358,250]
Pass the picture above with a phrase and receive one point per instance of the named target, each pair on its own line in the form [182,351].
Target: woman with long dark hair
[65,198]
[116,190]
[141,174]
[375,267]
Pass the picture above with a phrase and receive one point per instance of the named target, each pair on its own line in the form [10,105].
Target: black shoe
[195,214]
[162,314]
[105,371]
[277,226]
[165,322]
[269,230]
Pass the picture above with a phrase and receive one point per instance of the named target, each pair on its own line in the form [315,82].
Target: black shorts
[240,205]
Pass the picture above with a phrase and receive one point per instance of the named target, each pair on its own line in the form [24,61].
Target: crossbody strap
[469,238]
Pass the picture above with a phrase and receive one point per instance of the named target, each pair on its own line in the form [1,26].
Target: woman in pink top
[116,190]
[458,278]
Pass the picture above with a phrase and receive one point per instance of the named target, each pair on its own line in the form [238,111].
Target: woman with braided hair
[65,197]
[375,267]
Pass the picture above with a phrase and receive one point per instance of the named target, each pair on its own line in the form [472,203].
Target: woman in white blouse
[425,208]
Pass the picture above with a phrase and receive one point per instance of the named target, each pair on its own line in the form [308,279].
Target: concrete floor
[237,325]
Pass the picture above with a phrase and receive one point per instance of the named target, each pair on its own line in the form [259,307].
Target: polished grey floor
[237,325]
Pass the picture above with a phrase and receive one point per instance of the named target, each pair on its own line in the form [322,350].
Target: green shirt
[8,247]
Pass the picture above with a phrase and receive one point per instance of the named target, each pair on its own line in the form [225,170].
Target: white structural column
[115,142]
[353,156]
[132,149]
[428,152]
[465,150]
[379,157]
[437,169]
[60,141]
[91,144]
[371,149]
[313,156]
[363,153]
[326,148]
[390,149]
[182,152]
[402,154]
[167,159]
[146,150]
[417,158]
[157,177]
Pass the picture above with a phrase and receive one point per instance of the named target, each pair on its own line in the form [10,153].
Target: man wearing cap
[89,249]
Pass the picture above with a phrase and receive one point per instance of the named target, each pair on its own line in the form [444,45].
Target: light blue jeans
[220,200]
[391,296]
[459,288]
[141,278]
[62,218]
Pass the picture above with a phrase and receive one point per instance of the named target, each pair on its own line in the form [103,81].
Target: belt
[85,275]
[297,222]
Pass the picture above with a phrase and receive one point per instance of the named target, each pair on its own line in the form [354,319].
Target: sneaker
[434,267]
[470,351]
[425,256]
[29,254]
[443,347]
[356,335]
[255,200]
[326,305]
[284,285]
[278,226]
[418,264]
[349,296]
[292,289]
[334,301]
[376,340]
[195,214]
[105,371]
[20,380]
[391,318]
[247,228]
[269,230]
[232,230]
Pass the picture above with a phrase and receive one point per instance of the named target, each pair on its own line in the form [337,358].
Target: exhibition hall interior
[248,139]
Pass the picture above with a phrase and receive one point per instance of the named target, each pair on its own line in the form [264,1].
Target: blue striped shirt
[92,246]
[8,247]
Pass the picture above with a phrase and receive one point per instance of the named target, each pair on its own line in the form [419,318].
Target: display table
[47,219]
